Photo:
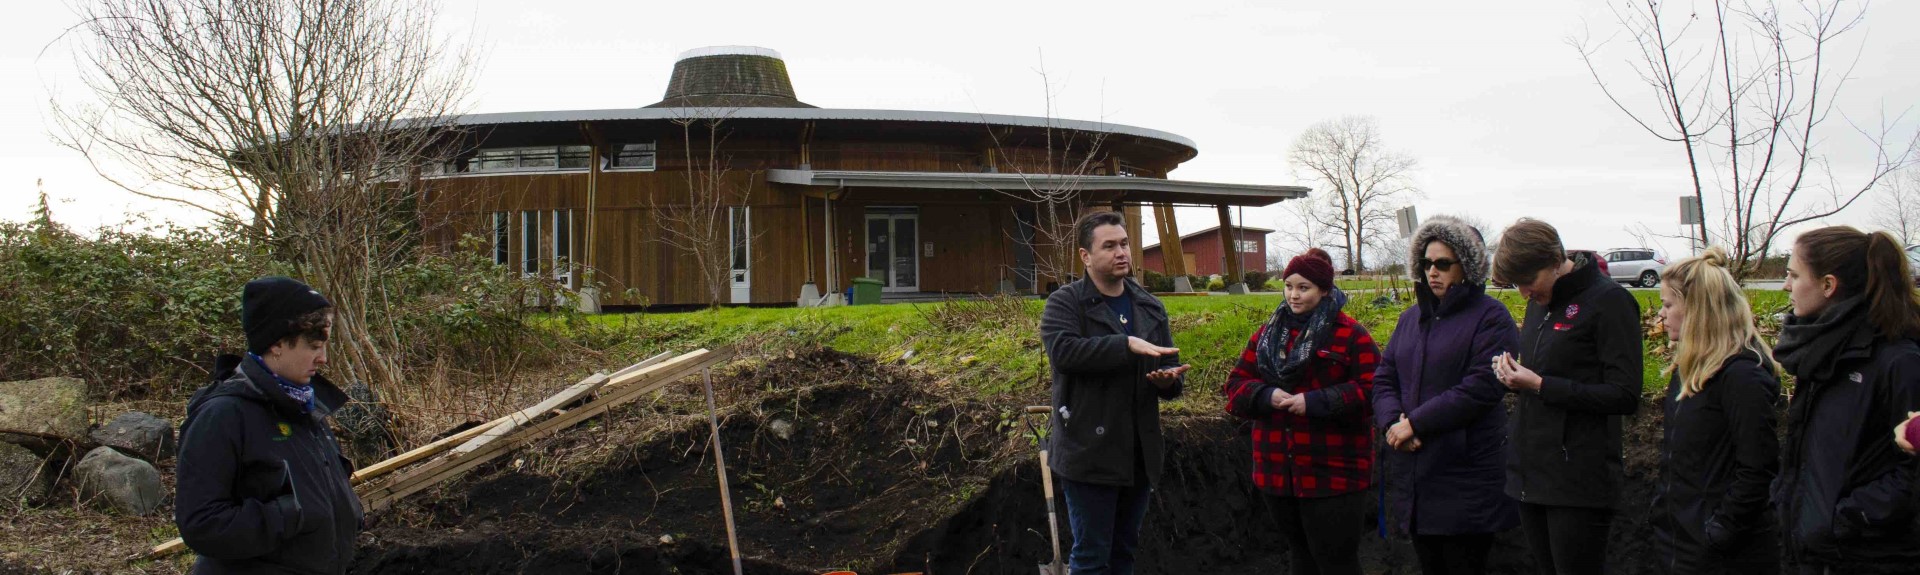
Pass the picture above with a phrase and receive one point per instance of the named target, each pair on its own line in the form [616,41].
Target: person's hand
[1166,377]
[1295,403]
[1513,375]
[1400,435]
[1900,433]
[1279,399]
[1143,347]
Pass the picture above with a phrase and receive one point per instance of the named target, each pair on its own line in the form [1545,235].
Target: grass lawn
[993,346]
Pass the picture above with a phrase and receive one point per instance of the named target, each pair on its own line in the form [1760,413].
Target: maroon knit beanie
[1315,269]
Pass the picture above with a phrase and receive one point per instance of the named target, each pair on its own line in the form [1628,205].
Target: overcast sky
[1487,96]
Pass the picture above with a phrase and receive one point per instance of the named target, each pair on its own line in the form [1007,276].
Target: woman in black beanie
[262,486]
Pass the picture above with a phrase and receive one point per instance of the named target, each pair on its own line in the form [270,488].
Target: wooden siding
[971,231]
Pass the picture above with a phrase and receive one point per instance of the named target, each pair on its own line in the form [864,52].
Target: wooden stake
[720,464]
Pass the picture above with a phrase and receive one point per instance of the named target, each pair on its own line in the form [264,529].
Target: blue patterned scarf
[300,393]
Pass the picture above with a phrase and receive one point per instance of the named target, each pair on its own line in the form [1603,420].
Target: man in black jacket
[262,487]
[1113,362]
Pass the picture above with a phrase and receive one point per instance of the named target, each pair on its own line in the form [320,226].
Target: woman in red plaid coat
[1304,379]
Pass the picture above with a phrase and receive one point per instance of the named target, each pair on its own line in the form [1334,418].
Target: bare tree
[1899,206]
[1748,92]
[697,223]
[1051,176]
[1364,181]
[300,121]
[1300,227]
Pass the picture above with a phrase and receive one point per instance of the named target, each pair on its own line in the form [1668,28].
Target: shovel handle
[1046,479]
[1038,409]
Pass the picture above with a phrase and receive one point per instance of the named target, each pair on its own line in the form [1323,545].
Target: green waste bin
[866,291]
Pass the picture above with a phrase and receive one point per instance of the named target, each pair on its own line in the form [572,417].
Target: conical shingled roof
[730,76]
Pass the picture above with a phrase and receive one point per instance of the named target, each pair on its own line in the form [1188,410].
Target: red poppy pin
[1573,310]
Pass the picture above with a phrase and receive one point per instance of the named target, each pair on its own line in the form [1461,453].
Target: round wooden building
[730,189]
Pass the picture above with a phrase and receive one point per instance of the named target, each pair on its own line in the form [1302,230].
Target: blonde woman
[1719,452]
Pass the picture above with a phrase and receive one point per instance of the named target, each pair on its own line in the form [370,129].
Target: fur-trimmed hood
[1467,244]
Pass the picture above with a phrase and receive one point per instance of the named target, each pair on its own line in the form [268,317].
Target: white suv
[1637,266]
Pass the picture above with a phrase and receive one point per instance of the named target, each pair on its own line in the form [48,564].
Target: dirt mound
[833,462]
[838,462]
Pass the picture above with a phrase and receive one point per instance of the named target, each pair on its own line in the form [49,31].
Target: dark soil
[853,492]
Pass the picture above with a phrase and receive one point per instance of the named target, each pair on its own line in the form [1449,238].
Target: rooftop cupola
[730,76]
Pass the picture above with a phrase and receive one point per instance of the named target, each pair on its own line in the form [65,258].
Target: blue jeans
[1106,526]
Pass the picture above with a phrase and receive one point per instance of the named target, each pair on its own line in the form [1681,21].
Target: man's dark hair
[1084,228]
[311,325]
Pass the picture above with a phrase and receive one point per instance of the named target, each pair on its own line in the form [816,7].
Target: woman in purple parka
[1436,396]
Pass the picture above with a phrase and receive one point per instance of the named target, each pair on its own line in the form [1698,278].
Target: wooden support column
[1131,212]
[1175,253]
[586,265]
[1235,280]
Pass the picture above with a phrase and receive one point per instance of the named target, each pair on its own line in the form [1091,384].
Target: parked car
[1575,255]
[1638,266]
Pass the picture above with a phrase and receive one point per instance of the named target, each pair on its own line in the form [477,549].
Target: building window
[529,243]
[575,157]
[537,158]
[634,157]
[738,238]
[1249,246]
[563,247]
[500,238]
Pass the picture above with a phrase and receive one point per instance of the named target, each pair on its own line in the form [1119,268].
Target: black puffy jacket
[1586,345]
[1718,458]
[262,487]
[1845,491]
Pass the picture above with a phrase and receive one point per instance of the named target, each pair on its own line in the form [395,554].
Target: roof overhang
[1102,188]
[814,114]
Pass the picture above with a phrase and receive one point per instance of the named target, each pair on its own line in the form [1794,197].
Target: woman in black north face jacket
[262,487]
[1846,492]
[1719,452]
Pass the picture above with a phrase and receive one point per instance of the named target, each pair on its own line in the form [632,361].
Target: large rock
[139,435]
[50,408]
[117,482]
[24,476]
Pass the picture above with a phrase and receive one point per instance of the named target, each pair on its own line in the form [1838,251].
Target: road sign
[1689,210]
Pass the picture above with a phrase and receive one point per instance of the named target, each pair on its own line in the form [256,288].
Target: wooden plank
[645,363]
[451,467]
[616,394]
[514,420]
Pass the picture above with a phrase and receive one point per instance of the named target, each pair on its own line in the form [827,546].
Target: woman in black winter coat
[261,484]
[1576,373]
[1845,495]
[1719,451]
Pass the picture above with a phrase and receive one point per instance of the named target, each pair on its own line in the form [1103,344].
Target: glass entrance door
[891,253]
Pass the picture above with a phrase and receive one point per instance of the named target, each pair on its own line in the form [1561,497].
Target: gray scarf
[1277,365]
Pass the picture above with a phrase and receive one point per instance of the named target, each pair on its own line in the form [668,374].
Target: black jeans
[1566,540]
[1106,526]
[1453,554]
[1323,533]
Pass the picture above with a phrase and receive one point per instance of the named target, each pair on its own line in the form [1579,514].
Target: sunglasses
[1445,265]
